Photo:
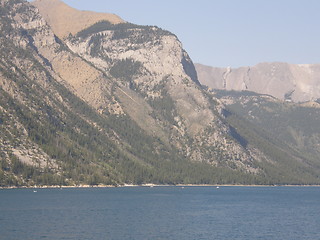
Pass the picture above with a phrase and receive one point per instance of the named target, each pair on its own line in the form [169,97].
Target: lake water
[129,213]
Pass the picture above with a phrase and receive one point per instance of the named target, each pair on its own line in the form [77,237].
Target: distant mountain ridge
[296,82]
[121,104]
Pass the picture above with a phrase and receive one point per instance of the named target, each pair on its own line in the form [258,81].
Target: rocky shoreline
[149,185]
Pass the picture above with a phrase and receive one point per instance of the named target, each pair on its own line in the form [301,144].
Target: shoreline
[152,185]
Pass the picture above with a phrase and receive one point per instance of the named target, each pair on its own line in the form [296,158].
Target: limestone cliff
[296,82]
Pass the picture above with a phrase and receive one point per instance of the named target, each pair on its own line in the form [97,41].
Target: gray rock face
[296,82]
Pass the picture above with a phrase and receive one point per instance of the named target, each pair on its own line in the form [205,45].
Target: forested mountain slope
[277,128]
[121,103]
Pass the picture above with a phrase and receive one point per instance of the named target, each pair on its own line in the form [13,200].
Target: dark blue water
[285,213]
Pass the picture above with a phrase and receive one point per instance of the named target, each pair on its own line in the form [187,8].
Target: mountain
[66,20]
[292,82]
[290,127]
[117,103]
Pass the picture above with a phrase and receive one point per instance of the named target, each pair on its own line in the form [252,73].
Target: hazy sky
[228,32]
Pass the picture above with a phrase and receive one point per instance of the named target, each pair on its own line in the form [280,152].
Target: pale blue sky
[228,32]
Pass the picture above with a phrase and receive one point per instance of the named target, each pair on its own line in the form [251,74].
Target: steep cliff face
[284,81]
[147,60]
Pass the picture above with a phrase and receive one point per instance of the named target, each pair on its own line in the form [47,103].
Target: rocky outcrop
[296,82]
